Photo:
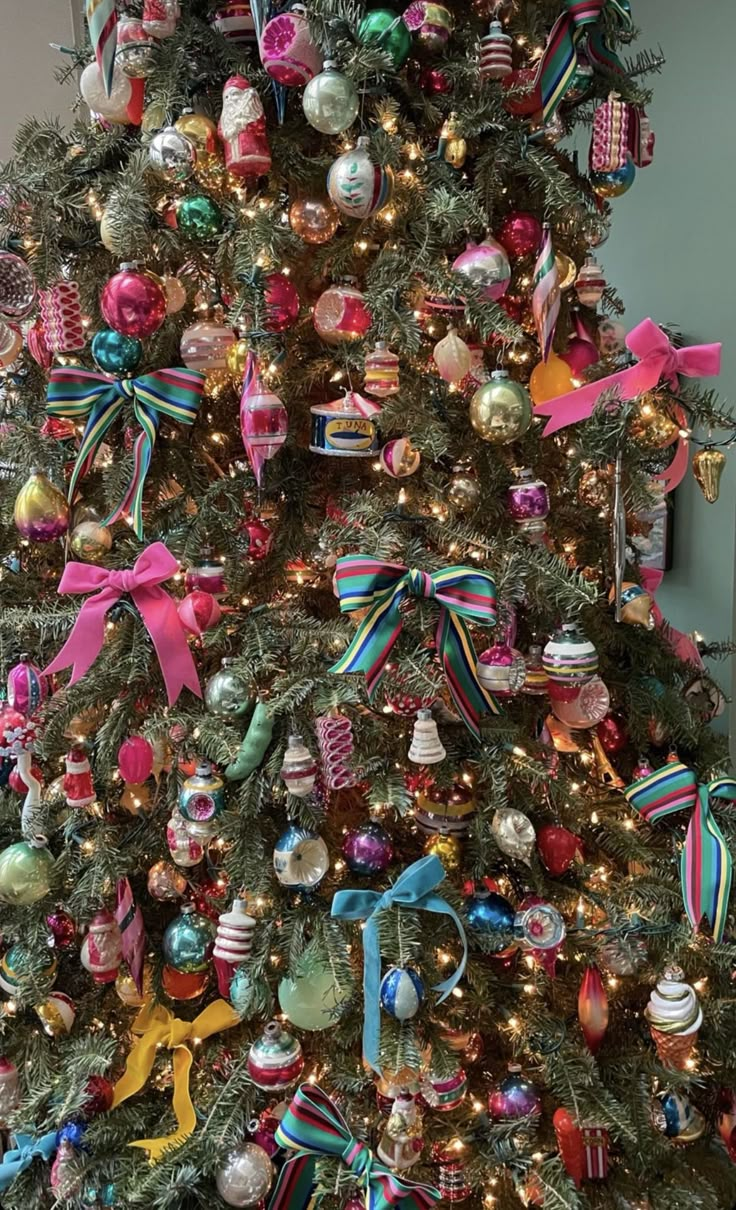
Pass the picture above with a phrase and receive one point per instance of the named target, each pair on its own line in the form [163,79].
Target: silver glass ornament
[245,1178]
[514,833]
[172,155]
[330,101]
[226,694]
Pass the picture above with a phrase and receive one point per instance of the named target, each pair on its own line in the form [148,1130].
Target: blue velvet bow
[26,1150]
[412,889]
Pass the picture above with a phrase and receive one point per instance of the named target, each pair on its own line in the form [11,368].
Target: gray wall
[28,65]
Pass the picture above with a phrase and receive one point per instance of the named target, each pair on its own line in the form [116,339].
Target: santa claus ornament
[78,787]
[242,128]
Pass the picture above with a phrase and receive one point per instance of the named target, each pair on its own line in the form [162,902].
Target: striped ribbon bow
[559,61]
[414,888]
[706,865]
[75,394]
[313,1127]
[461,592]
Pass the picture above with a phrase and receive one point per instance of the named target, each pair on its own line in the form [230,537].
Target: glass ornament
[188,941]
[260,538]
[385,28]
[102,949]
[443,1093]
[368,848]
[233,943]
[172,155]
[136,51]
[287,51]
[18,962]
[135,759]
[165,883]
[675,1018]
[587,707]
[299,768]
[500,410]
[463,491]
[11,343]
[399,458]
[41,512]
[27,686]
[90,542]
[246,1176]
[205,345]
[115,353]
[485,265]
[401,992]
[593,1008]
[160,17]
[200,130]
[579,356]
[569,659]
[114,108]
[226,694]
[615,183]
[708,467]
[25,872]
[176,295]
[495,53]
[430,22]
[206,575]
[490,913]
[514,833]
[185,849]
[446,847]
[133,302]
[520,233]
[341,315]
[549,379]
[275,1060]
[515,1097]
[501,670]
[539,927]
[381,371]
[199,217]
[357,186]
[264,423]
[234,20]
[9,1091]
[445,810]
[17,287]
[313,1001]
[677,1118]
[590,283]
[300,858]
[314,219]
[426,746]
[282,302]
[57,1014]
[201,801]
[452,357]
[237,359]
[330,101]
[527,502]
[63,929]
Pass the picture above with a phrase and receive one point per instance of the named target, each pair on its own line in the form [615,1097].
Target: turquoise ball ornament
[25,872]
[402,992]
[490,913]
[313,1001]
[17,962]
[188,941]
[198,217]
[613,184]
[385,29]
[115,353]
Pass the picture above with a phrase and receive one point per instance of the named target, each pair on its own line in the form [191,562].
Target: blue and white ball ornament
[300,859]
[402,992]
[490,913]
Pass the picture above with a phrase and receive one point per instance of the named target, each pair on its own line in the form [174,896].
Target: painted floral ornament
[356,185]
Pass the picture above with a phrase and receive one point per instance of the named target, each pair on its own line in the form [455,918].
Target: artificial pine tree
[396,826]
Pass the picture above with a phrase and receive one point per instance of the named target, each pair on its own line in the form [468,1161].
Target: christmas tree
[348,763]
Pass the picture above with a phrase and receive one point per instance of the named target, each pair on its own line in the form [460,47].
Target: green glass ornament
[313,1001]
[188,941]
[116,353]
[199,217]
[253,747]
[500,410]
[385,28]
[25,872]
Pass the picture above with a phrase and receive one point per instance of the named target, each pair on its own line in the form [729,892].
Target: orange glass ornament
[549,379]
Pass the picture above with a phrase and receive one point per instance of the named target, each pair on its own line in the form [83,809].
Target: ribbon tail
[186,1118]
[580,404]
[87,637]
[371,645]
[371,995]
[435,903]
[102,416]
[459,662]
[132,501]
[674,474]
[138,1068]
[706,869]
[294,1187]
[162,622]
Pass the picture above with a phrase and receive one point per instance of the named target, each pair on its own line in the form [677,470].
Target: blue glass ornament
[98,1197]
[613,184]
[674,1115]
[242,992]
[489,913]
[300,859]
[115,353]
[188,941]
[515,1097]
[402,992]
[71,1132]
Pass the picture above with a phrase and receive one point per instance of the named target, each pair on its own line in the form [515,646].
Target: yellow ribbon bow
[156,1026]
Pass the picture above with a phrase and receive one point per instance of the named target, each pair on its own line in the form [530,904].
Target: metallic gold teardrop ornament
[708,466]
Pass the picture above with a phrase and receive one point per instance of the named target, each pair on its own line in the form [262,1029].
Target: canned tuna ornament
[345,428]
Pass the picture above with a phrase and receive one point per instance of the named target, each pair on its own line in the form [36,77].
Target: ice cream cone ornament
[674,1017]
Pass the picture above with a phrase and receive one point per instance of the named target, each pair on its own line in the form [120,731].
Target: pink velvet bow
[657,359]
[681,644]
[155,606]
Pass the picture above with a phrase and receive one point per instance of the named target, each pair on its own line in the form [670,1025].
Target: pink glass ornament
[264,423]
[133,302]
[399,458]
[434,82]
[260,538]
[495,53]
[287,51]
[341,315]
[588,708]
[204,345]
[199,611]
[593,1008]
[520,233]
[27,687]
[38,345]
[135,759]
[335,741]
[485,265]
[579,355]
[282,302]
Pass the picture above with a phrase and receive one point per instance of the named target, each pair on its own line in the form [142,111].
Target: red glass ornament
[434,82]
[570,1145]
[57,428]
[133,302]
[135,759]
[557,848]
[520,233]
[38,346]
[259,536]
[63,929]
[526,99]
[182,986]
[199,611]
[612,733]
[593,1008]
[282,302]
[99,1095]
[15,781]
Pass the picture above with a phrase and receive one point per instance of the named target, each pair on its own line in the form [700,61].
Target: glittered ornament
[299,769]
[514,1097]
[165,883]
[275,1060]
[500,410]
[313,1001]
[463,491]
[115,353]
[514,833]
[202,801]
[205,345]
[136,52]
[708,467]
[133,302]
[227,695]
[199,611]
[314,219]
[57,1014]
[558,848]
[199,217]
[245,1177]
[41,512]
[185,849]
[102,949]
[381,371]
[287,51]
[486,266]
[25,872]
[492,915]
[495,54]
[368,848]
[357,186]
[300,858]
[282,302]
[341,315]
[401,992]
[172,155]
[452,357]
[399,458]
[385,29]
[615,183]
[549,379]
[520,233]
[330,101]
[188,941]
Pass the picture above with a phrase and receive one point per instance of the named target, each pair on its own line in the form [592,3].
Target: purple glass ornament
[27,688]
[515,1097]
[528,503]
[368,848]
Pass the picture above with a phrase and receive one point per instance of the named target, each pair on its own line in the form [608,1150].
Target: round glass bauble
[313,1001]
[133,302]
[245,1177]
[188,942]
[314,219]
[384,28]
[330,101]
[115,353]
[500,410]
[25,872]
[357,186]
[172,155]
[199,217]
[613,184]
[549,379]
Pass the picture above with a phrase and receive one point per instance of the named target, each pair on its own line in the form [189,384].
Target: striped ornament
[102,21]
[546,295]
[402,992]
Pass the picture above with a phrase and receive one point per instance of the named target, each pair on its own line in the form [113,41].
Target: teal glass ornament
[25,872]
[188,941]
[115,353]
[198,217]
[313,1001]
[242,992]
[613,184]
[385,28]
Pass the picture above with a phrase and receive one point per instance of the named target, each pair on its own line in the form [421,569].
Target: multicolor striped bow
[706,863]
[559,62]
[460,592]
[313,1127]
[74,393]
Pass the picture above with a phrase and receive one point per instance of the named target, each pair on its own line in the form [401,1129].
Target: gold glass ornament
[216,382]
[594,488]
[500,410]
[237,356]
[567,270]
[708,466]
[136,797]
[463,492]
[651,424]
[201,131]
[456,149]
[447,848]
[90,541]
[154,117]
[41,511]
[314,219]
[127,990]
